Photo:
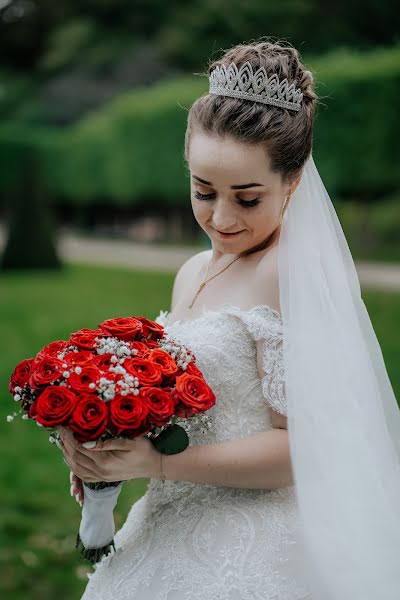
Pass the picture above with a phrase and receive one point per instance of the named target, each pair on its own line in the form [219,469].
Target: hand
[112,460]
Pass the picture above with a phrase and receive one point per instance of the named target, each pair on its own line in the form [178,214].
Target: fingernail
[77,498]
[80,504]
[89,444]
[71,490]
[59,445]
[71,476]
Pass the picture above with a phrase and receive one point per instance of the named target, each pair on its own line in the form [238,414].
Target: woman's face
[233,191]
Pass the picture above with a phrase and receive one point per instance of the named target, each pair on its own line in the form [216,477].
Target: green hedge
[130,151]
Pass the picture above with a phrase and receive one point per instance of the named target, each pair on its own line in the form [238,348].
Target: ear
[295,180]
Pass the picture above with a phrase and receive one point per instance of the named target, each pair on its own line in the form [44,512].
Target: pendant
[198,292]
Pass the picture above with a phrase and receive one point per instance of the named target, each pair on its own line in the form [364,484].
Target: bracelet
[162,476]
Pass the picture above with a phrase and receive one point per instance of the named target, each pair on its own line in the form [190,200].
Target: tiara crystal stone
[256,86]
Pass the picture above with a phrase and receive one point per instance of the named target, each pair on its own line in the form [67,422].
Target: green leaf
[172,440]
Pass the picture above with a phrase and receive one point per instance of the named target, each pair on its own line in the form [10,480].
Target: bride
[290,488]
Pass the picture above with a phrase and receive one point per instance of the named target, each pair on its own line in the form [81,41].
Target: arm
[258,461]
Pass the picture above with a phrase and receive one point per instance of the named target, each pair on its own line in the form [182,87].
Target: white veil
[343,418]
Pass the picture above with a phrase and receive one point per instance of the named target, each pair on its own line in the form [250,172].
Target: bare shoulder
[186,271]
[267,278]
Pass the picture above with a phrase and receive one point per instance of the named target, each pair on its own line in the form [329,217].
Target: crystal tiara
[256,86]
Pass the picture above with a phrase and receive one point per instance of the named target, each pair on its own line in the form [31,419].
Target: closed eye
[245,203]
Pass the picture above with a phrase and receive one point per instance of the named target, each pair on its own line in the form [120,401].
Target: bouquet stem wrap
[97,528]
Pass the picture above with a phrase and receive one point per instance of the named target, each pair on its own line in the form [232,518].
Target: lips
[228,234]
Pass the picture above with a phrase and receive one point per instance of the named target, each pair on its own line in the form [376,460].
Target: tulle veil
[343,418]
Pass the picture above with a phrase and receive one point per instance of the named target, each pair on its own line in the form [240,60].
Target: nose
[223,217]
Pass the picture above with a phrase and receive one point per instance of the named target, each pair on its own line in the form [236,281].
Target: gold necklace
[205,280]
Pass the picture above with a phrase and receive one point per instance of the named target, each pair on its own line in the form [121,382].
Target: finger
[77,484]
[78,462]
[87,474]
[69,440]
[114,444]
[74,453]
[78,492]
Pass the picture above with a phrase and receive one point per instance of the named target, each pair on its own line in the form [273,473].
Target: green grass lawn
[39,519]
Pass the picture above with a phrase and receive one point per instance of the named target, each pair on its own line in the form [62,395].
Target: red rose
[151,329]
[103,361]
[194,395]
[45,371]
[52,349]
[160,403]
[89,418]
[152,344]
[54,406]
[166,363]
[140,347]
[21,374]
[85,339]
[145,370]
[191,369]
[86,380]
[83,357]
[128,415]
[127,329]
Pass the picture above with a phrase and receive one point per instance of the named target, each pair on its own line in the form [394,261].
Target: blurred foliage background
[99,91]
[93,104]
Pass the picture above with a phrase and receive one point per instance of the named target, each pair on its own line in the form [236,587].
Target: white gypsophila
[106,388]
[62,354]
[118,369]
[201,423]
[115,346]
[127,385]
[177,351]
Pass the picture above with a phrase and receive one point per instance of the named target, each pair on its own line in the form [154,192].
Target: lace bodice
[260,323]
[224,343]
[193,540]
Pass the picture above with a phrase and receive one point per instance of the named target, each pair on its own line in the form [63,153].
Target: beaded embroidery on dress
[184,540]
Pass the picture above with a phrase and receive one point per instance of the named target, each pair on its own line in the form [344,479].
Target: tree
[30,244]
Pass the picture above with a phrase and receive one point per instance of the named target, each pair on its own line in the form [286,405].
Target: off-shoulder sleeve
[265,326]
[273,381]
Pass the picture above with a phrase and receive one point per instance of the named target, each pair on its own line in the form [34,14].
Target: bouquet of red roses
[125,379]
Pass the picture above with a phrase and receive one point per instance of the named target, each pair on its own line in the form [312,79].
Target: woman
[291,488]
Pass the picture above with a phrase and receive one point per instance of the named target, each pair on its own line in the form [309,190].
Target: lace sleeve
[265,325]
[273,382]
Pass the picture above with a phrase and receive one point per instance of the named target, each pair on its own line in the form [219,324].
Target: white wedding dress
[193,541]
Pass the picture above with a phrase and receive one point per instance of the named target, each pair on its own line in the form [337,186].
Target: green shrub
[130,152]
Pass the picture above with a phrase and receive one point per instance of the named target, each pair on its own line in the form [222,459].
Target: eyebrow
[233,187]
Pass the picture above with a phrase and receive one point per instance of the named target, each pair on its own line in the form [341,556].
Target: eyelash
[245,203]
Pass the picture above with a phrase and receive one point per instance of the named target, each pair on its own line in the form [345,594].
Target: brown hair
[285,134]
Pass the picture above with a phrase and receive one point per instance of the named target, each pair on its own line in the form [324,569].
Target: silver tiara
[244,83]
